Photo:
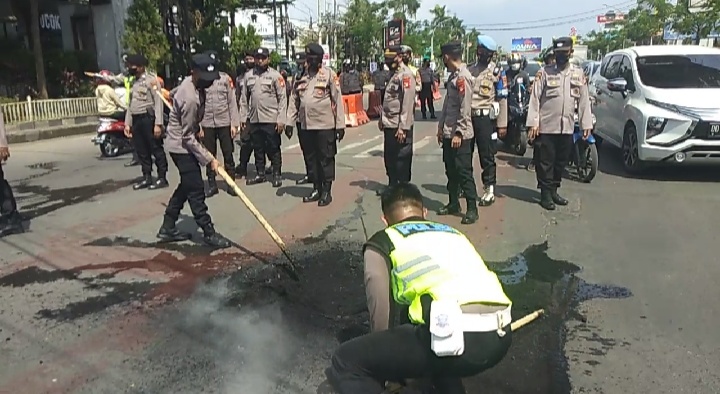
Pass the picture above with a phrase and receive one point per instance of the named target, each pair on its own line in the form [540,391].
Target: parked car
[660,104]
[532,68]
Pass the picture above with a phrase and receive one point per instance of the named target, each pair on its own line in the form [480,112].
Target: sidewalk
[43,130]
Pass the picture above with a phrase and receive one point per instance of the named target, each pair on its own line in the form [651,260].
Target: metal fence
[38,110]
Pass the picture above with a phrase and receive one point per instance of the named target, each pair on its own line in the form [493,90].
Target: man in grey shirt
[189,154]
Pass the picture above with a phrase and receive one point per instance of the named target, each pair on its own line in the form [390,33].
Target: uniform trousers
[398,156]
[266,141]
[191,189]
[147,146]
[362,365]
[306,146]
[426,96]
[322,147]
[8,204]
[458,169]
[553,155]
[486,140]
[222,134]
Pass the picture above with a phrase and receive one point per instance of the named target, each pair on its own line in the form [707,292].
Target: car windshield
[680,71]
[532,68]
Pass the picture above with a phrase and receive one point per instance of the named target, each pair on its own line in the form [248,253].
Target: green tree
[363,23]
[275,59]
[243,39]
[144,33]
[646,22]
[307,36]
[404,9]
[700,24]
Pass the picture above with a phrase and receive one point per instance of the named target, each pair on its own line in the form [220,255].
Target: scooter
[585,155]
[518,102]
[111,138]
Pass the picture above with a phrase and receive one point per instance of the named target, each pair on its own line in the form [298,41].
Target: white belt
[486,322]
[481,112]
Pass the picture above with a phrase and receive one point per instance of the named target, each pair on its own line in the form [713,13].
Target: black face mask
[241,70]
[201,84]
[484,58]
[132,71]
[561,58]
[313,62]
[250,65]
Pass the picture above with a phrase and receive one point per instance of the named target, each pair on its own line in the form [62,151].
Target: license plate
[714,130]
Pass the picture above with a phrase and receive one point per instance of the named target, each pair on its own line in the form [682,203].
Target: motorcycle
[518,103]
[111,138]
[585,155]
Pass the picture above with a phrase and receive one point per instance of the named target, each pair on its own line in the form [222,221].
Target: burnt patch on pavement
[186,248]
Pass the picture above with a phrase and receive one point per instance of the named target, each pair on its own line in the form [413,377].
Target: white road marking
[343,148]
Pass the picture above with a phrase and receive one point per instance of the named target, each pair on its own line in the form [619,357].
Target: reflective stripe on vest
[434,259]
[127,81]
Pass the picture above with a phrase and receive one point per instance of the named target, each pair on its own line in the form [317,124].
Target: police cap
[204,66]
[562,44]
[487,42]
[314,49]
[262,52]
[405,50]
[213,55]
[300,56]
[137,60]
[452,48]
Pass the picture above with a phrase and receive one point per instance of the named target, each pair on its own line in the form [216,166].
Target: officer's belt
[480,112]
[486,322]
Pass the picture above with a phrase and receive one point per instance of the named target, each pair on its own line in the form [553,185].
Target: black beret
[137,60]
[452,48]
[300,56]
[562,44]
[314,49]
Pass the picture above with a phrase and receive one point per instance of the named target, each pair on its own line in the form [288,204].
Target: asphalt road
[89,303]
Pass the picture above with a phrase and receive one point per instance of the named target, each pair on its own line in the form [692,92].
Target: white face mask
[515,66]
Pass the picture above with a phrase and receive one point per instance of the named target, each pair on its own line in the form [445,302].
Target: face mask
[484,58]
[133,71]
[200,84]
[313,62]
[515,66]
[561,58]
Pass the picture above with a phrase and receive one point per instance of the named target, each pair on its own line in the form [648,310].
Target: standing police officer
[10,220]
[398,116]
[264,105]
[380,80]
[455,135]
[350,79]
[189,155]
[316,103]
[125,79]
[489,109]
[305,141]
[548,59]
[556,91]
[144,123]
[246,149]
[220,122]
[427,77]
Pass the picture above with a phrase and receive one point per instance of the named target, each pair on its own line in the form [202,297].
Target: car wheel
[631,151]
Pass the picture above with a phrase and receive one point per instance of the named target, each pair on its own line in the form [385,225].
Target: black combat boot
[144,184]
[277,179]
[172,234]
[256,180]
[325,195]
[452,208]
[11,224]
[304,181]
[212,186]
[546,200]
[432,116]
[557,199]
[314,196]
[230,189]
[268,170]
[471,216]
[214,239]
[424,115]
[240,172]
[160,183]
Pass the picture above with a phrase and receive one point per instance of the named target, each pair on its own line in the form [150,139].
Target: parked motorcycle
[517,134]
[585,155]
[111,138]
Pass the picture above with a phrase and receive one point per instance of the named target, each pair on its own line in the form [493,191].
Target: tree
[37,49]
[404,9]
[144,33]
[699,24]
[275,59]
[243,39]
[363,23]
[307,36]
[648,20]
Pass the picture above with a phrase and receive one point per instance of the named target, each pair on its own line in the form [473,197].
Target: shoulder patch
[460,83]
[406,81]
[281,81]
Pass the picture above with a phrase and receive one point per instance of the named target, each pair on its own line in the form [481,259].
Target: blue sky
[554,17]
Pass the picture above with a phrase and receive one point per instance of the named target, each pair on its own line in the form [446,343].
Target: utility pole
[333,46]
[287,28]
[275,30]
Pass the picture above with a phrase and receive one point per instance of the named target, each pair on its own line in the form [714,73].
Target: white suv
[660,103]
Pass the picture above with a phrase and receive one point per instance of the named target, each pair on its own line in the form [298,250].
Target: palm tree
[404,9]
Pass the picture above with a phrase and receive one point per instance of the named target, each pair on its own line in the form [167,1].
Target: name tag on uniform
[481,112]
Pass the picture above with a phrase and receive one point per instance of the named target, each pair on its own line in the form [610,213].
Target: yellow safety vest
[434,259]
[128,87]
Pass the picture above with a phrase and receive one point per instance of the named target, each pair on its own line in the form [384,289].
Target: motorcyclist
[109,104]
[517,71]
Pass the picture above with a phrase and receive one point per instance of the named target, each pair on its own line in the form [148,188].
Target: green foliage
[144,33]
[364,22]
[243,39]
[275,59]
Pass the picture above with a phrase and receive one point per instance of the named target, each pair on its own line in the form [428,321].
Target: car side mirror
[617,85]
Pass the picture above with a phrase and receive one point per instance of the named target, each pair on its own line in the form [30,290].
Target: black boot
[546,200]
[160,183]
[212,187]
[240,172]
[214,239]
[11,224]
[230,189]
[268,170]
[304,181]
[254,181]
[277,179]
[424,116]
[144,184]
[325,195]
[471,216]
[451,209]
[557,199]
[314,196]
[172,234]
[432,116]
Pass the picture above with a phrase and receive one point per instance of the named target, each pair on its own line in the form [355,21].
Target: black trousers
[222,134]
[426,96]
[458,169]
[398,157]
[321,153]
[364,364]
[8,204]
[266,141]
[147,146]
[553,155]
[191,189]
[306,148]
[484,129]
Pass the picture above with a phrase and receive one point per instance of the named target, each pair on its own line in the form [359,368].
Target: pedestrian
[316,103]
[220,123]
[189,154]
[489,112]
[426,89]
[144,123]
[557,90]
[264,105]
[246,149]
[398,116]
[455,135]
[549,59]
[458,316]
[10,220]
[305,139]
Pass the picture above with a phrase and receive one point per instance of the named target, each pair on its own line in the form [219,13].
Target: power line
[624,4]
[540,26]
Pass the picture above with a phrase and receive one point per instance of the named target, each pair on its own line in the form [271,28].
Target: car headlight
[655,126]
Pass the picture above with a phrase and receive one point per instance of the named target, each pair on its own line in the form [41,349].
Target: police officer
[305,141]
[426,89]
[398,116]
[548,59]
[144,123]
[264,105]
[556,91]
[189,154]
[246,149]
[381,76]
[489,110]
[125,79]
[455,286]
[350,79]
[10,220]
[220,123]
[316,104]
[455,134]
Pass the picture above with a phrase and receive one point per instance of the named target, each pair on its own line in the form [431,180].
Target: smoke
[249,343]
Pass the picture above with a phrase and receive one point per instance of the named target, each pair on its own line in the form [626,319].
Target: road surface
[91,304]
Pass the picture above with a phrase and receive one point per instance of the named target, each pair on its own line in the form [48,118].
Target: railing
[38,110]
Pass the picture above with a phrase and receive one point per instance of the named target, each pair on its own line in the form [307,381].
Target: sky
[526,18]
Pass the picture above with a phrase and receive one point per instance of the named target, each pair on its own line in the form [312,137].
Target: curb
[32,135]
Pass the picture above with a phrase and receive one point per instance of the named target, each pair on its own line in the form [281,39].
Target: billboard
[526,45]
[610,18]
[394,32]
